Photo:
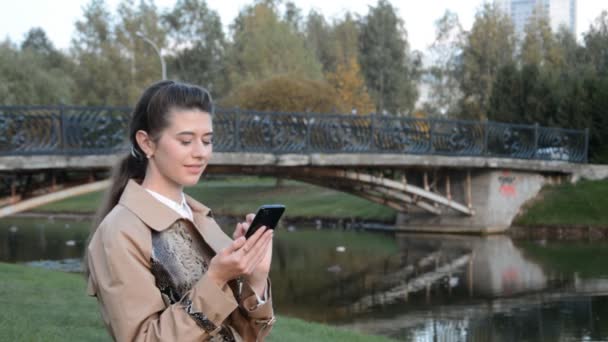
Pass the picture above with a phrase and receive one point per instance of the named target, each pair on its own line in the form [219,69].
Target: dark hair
[151,114]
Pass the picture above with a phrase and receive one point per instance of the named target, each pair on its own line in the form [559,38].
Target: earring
[148,156]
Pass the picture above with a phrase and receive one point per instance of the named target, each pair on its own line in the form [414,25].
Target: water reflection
[410,287]
[23,240]
[499,295]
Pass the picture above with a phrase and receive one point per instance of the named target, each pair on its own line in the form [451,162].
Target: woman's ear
[145,143]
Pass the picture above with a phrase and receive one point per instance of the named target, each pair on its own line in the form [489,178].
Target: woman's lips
[194,168]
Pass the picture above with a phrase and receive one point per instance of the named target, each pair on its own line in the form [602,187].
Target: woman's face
[184,148]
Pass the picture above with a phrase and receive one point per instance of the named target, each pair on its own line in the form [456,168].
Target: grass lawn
[241,195]
[583,203]
[42,305]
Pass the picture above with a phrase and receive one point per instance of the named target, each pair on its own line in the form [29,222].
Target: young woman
[159,265]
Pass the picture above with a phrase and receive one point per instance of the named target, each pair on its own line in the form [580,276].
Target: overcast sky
[57,17]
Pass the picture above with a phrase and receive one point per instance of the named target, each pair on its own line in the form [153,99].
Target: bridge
[452,174]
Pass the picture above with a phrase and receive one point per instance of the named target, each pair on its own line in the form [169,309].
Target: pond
[411,287]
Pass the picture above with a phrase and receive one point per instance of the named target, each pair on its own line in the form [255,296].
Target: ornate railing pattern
[28,130]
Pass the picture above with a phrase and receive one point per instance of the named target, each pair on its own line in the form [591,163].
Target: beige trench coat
[133,309]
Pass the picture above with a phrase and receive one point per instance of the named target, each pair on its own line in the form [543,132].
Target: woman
[159,265]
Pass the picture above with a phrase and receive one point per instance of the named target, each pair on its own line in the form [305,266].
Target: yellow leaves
[350,87]
[285,93]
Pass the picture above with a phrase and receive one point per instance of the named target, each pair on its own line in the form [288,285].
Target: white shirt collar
[183,209]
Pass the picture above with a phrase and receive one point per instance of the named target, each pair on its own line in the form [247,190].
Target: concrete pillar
[497,197]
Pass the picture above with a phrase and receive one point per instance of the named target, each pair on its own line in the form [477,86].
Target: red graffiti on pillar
[507,184]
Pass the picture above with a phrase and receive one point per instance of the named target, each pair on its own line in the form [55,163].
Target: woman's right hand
[240,258]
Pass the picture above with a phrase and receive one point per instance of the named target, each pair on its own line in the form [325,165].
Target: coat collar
[160,217]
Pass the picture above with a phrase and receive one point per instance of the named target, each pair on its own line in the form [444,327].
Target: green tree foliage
[489,46]
[35,74]
[596,52]
[390,72]
[286,93]
[558,83]
[332,43]
[539,46]
[319,39]
[345,37]
[596,44]
[101,66]
[135,21]
[264,45]
[198,45]
[37,41]
[115,62]
[293,16]
[505,100]
[442,75]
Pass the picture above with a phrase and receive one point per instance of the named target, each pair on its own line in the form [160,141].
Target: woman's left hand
[258,278]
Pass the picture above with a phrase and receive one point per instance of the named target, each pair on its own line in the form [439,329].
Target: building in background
[559,12]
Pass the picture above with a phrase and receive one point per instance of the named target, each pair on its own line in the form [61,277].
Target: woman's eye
[185,143]
[207,142]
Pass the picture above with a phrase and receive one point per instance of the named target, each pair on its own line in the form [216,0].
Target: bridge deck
[39,162]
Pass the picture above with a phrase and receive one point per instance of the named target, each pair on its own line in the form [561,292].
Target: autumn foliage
[286,93]
[350,87]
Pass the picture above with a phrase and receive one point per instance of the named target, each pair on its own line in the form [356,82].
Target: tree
[596,44]
[264,45]
[596,86]
[487,47]
[390,73]
[293,16]
[345,36]
[539,46]
[285,93]
[135,21]
[101,67]
[36,40]
[442,75]
[350,87]
[27,79]
[319,39]
[334,43]
[198,45]
[506,99]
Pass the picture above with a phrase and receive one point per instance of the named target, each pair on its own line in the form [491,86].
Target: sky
[57,17]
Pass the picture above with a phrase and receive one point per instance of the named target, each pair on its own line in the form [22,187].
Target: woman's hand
[257,279]
[241,258]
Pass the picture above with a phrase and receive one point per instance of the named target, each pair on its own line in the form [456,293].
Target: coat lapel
[203,221]
[159,217]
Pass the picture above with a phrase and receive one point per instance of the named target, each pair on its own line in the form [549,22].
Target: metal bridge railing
[73,130]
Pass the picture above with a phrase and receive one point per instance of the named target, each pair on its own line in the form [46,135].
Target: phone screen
[268,215]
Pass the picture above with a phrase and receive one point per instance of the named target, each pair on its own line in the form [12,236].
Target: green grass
[42,305]
[241,195]
[584,203]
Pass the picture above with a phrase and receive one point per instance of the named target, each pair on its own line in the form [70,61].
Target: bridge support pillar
[496,197]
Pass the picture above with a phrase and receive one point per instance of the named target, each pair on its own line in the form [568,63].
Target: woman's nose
[200,150]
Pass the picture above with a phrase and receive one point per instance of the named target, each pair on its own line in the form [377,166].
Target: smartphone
[268,215]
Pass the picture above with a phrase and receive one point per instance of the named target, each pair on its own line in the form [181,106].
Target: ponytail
[131,166]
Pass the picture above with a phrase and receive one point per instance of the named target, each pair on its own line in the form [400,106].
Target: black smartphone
[268,215]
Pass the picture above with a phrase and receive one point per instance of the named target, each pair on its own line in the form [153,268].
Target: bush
[285,93]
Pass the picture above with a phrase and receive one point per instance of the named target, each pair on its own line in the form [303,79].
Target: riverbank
[43,305]
[566,211]
[580,206]
[237,196]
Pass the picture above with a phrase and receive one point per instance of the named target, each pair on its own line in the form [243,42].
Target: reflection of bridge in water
[434,172]
[446,279]
[429,265]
